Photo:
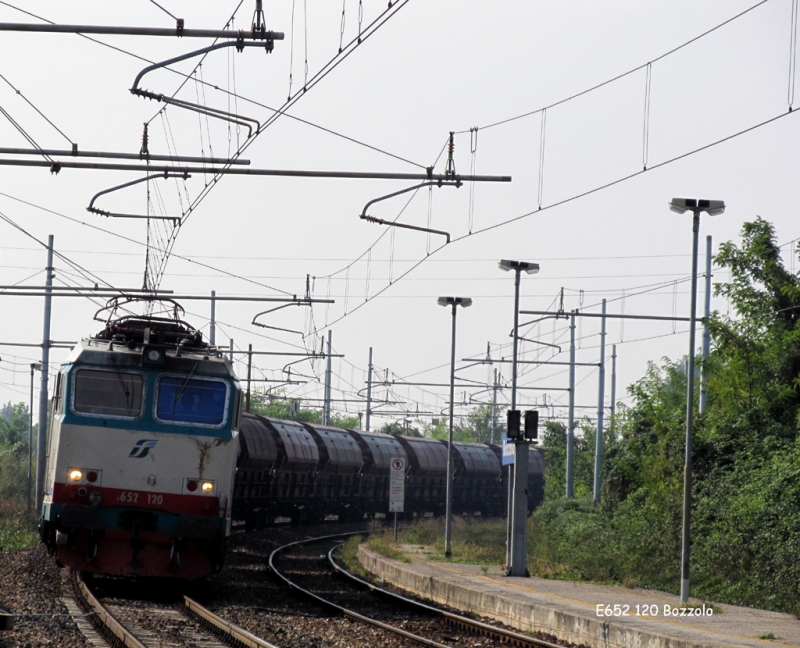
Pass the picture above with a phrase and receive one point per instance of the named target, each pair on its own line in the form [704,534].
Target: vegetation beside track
[17,527]
[746,456]
[746,461]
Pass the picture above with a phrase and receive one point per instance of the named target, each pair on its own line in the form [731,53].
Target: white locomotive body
[142,453]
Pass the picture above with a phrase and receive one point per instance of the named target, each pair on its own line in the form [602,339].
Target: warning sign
[397,484]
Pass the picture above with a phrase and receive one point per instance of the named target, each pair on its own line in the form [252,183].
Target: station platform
[597,616]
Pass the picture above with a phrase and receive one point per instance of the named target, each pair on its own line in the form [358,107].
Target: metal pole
[571,423]
[122,156]
[613,385]
[230,351]
[510,514]
[516,342]
[448,525]
[369,387]
[706,333]
[494,408]
[212,328]
[687,471]
[41,455]
[445,180]
[249,369]
[326,410]
[395,526]
[30,442]
[178,31]
[598,444]
[519,530]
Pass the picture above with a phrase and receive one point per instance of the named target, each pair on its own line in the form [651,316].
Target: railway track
[157,624]
[308,567]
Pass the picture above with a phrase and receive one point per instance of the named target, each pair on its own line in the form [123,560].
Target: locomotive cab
[142,452]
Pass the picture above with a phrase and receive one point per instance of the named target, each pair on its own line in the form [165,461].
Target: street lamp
[712,208]
[518,469]
[35,366]
[455,302]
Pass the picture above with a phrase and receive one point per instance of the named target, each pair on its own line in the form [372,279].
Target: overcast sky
[433,67]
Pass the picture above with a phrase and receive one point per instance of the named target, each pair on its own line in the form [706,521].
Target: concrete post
[706,332]
[41,455]
[212,326]
[571,422]
[369,387]
[494,408]
[613,385]
[326,410]
[598,446]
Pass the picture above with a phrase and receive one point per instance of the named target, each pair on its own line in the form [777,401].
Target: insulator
[145,138]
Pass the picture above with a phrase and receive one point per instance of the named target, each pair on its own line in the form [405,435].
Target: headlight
[75,475]
[208,486]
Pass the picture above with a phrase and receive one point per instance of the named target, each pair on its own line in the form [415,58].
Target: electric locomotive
[142,452]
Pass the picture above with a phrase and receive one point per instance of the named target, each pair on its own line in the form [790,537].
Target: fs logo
[141,449]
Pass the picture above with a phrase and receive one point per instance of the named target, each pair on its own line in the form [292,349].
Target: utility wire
[187,77]
[130,240]
[558,204]
[624,74]
[41,114]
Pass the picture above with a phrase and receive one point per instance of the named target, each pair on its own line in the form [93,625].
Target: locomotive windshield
[191,400]
[108,393]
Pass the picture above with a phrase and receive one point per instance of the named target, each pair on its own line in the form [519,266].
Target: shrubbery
[746,494]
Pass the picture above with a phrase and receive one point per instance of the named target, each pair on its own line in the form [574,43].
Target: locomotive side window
[191,401]
[58,393]
[237,413]
[108,393]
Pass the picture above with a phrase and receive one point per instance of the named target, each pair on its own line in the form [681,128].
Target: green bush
[746,458]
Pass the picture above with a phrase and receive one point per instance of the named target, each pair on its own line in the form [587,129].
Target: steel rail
[109,622]
[330,604]
[239,636]
[111,625]
[470,624]
[170,168]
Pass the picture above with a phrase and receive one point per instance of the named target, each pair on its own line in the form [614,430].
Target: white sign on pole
[397,484]
[509,450]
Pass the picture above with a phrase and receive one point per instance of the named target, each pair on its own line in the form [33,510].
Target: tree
[746,456]
[14,424]
[479,421]
[400,428]
[276,405]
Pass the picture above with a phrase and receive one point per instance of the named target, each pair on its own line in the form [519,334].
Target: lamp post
[455,302]
[35,366]
[516,536]
[713,208]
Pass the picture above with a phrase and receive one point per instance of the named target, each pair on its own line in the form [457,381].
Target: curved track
[156,625]
[312,575]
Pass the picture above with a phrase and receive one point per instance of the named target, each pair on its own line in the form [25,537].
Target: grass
[475,541]
[348,555]
[767,635]
[17,528]
[381,541]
